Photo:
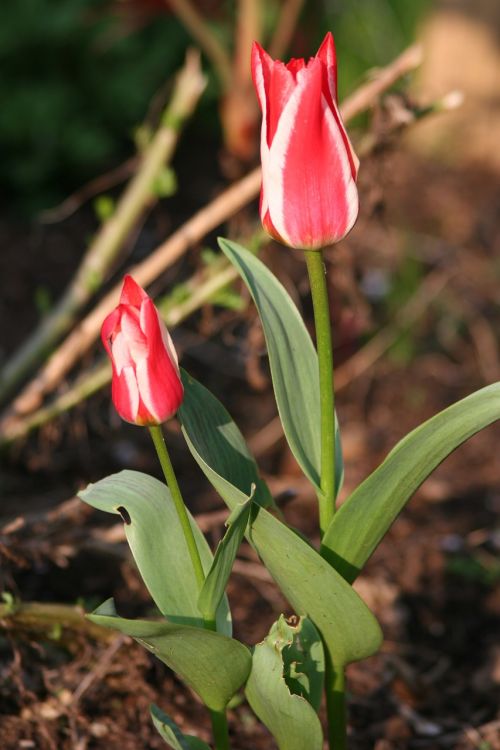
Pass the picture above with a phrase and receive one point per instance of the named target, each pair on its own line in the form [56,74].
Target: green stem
[335,706]
[220,730]
[219,721]
[319,292]
[168,471]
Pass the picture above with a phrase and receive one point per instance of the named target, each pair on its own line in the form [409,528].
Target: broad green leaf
[170,732]
[225,555]
[157,543]
[224,443]
[310,584]
[293,361]
[214,666]
[289,717]
[361,522]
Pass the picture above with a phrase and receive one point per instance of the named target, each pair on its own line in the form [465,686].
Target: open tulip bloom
[309,199]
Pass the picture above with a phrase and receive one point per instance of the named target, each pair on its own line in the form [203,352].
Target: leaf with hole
[155,537]
[289,716]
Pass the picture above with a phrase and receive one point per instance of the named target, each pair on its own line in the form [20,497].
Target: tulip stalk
[319,293]
[218,718]
[168,471]
[336,709]
[334,678]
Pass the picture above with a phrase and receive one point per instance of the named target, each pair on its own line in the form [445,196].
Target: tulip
[308,197]
[146,384]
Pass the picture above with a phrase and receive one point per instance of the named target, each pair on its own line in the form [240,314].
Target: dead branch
[138,196]
[209,217]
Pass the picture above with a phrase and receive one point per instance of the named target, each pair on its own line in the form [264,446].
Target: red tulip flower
[309,197]
[146,386]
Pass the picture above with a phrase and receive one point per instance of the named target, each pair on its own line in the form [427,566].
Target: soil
[434,582]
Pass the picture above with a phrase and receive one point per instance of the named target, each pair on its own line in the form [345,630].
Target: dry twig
[138,196]
[14,424]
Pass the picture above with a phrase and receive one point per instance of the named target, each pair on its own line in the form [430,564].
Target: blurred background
[86,96]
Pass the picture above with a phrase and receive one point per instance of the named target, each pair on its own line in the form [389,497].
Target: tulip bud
[308,197]
[146,385]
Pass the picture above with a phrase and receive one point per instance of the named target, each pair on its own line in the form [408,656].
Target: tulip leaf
[225,555]
[364,518]
[170,732]
[293,361]
[289,717]
[214,666]
[236,467]
[310,584]
[304,661]
[157,543]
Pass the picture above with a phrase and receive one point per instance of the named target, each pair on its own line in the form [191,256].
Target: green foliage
[288,715]
[104,207]
[365,517]
[369,34]
[474,569]
[157,543]
[304,662]
[293,361]
[404,284]
[225,555]
[170,732]
[309,583]
[74,84]
[216,436]
[166,183]
[214,666]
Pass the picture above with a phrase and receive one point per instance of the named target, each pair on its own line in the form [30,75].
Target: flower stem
[168,471]
[218,718]
[219,721]
[335,706]
[220,730]
[319,292]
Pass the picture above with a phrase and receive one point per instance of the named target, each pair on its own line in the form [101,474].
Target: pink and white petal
[125,394]
[156,332]
[158,375]
[258,56]
[120,353]
[132,332]
[109,328]
[354,161]
[270,228]
[259,60]
[312,195]
[274,84]
[132,293]
[295,64]
[160,387]
[328,57]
